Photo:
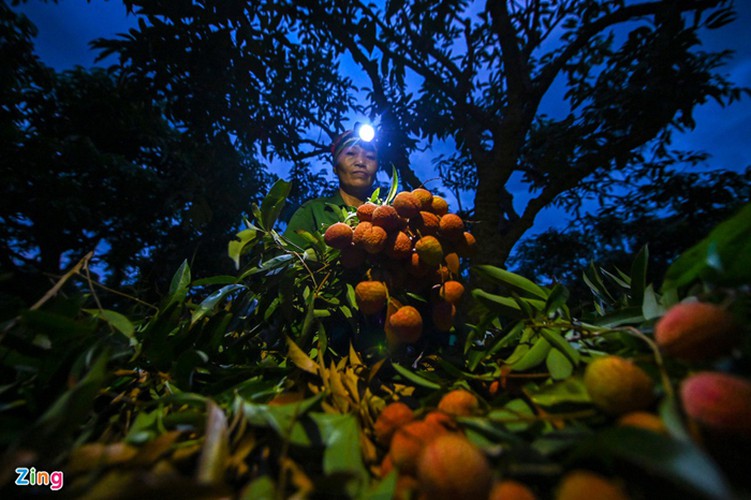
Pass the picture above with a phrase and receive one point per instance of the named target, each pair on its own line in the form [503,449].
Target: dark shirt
[314,215]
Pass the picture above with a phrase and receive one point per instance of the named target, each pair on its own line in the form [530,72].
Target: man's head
[355,163]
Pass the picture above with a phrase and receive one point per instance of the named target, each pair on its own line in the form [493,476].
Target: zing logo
[33,477]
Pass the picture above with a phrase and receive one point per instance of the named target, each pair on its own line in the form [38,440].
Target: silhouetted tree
[669,216]
[633,73]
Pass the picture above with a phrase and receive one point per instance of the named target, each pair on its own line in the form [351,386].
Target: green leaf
[651,307]
[516,415]
[557,300]
[284,419]
[216,280]
[514,281]
[507,305]
[179,286]
[536,355]
[570,390]
[237,246]
[118,321]
[414,378]
[343,454]
[726,242]
[394,185]
[261,487]
[625,316]
[559,366]
[273,203]
[210,302]
[557,340]
[384,489]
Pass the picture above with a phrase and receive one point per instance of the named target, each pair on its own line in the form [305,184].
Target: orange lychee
[451,227]
[451,467]
[452,262]
[408,441]
[439,206]
[370,296]
[406,325]
[393,416]
[365,211]
[643,420]
[425,223]
[385,216]
[338,235]
[398,246]
[616,385]
[406,204]
[374,239]
[425,197]
[459,402]
[696,331]
[451,291]
[466,246]
[508,489]
[429,249]
[358,235]
[585,485]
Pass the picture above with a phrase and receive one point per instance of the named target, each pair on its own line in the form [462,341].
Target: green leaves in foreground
[722,257]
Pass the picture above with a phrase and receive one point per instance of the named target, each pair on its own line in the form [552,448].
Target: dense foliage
[230,384]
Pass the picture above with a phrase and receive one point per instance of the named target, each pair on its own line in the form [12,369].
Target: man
[355,165]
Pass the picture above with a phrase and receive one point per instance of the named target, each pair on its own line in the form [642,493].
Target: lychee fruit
[585,485]
[374,239]
[358,235]
[459,403]
[425,223]
[617,385]
[365,211]
[338,235]
[643,420]
[370,296]
[439,206]
[393,416]
[466,245]
[408,441]
[718,401]
[425,197]
[385,216]
[406,325]
[508,489]
[451,227]
[429,249]
[451,291]
[406,204]
[398,246]
[696,331]
[452,262]
[451,467]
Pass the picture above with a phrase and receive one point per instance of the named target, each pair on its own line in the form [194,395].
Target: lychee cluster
[412,244]
[432,456]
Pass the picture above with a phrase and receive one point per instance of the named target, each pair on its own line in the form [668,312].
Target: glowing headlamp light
[365,132]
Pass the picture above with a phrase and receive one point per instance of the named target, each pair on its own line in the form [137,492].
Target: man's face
[356,168]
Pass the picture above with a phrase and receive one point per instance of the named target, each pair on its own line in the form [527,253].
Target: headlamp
[365,131]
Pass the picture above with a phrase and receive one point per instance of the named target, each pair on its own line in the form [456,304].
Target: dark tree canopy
[669,216]
[90,162]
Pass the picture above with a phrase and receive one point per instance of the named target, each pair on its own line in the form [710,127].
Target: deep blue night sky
[66,28]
